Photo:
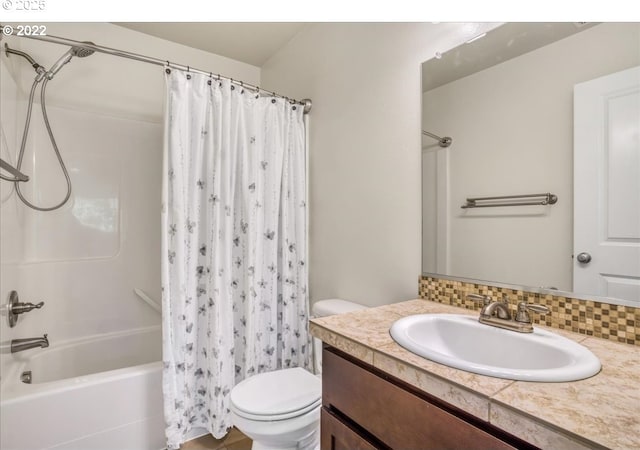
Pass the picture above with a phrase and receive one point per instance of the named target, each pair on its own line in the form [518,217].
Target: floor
[234,440]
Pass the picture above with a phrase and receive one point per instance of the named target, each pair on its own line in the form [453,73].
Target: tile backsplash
[614,322]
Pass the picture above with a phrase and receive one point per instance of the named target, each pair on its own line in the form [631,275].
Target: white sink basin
[462,342]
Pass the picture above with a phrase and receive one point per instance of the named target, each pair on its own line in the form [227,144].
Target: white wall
[85,259]
[512,126]
[364,80]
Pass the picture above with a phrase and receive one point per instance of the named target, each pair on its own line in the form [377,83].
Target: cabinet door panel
[335,435]
[393,415]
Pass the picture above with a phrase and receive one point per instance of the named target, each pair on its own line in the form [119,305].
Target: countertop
[600,412]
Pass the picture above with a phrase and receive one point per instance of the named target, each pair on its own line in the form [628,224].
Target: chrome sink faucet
[498,314]
[18,345]
[499,309]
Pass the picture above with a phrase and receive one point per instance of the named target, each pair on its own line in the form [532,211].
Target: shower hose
[51,138]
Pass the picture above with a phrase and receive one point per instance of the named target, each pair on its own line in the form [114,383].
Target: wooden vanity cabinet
[364,408]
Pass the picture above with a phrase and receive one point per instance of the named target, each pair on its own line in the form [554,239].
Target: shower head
[80,52]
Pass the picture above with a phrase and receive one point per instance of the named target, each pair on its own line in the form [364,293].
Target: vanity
[404,418]
[376,394]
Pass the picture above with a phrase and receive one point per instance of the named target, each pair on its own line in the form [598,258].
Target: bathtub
[98,392]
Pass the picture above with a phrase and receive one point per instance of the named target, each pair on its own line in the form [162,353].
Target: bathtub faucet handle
[20,308]
[15,308]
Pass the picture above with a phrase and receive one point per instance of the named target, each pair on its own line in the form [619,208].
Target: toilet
[280,410]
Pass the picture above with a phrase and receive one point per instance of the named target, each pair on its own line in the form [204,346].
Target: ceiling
[498,45]
[250,42]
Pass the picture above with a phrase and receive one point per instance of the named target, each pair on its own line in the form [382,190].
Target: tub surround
[599,412]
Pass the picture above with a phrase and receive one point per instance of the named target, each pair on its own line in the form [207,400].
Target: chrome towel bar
[511,200]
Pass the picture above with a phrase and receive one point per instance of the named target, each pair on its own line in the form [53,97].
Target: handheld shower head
[80,52]
[59,63]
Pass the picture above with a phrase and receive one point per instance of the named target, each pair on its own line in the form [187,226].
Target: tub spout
[18,345]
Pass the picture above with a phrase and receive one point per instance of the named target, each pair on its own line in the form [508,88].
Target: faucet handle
[485,299]
[522,315]
[21,308]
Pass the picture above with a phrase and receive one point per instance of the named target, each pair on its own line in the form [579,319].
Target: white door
[607,186]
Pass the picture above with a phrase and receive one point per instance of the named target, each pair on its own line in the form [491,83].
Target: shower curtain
[234,275]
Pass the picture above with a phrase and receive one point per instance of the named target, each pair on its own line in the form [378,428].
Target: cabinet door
[335,435]
[393,415]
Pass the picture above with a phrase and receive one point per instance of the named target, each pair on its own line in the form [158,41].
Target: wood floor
[234,440]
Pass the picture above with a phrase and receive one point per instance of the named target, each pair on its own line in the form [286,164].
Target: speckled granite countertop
[600,412]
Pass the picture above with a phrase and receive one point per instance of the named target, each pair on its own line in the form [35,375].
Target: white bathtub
[99,392]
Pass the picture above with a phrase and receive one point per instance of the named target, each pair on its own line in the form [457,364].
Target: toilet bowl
[280,410]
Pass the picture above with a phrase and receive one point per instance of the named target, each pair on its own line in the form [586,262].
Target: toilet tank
[329,307]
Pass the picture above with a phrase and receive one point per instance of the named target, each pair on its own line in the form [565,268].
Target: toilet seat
[276,417]
[277,395]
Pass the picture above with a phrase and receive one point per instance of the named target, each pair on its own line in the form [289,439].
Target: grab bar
[511,200]
[148,300]
[17,175]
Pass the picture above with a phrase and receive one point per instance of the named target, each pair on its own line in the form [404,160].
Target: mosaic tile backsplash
[614,322]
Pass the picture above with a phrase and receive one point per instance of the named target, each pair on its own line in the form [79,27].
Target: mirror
[507,102]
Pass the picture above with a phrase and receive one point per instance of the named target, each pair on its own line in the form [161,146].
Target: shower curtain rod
[442,141]
[159,62]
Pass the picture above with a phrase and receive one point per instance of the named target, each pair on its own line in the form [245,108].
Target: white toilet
[280,410]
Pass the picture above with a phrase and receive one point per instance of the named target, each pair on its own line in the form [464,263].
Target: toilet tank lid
[333,306]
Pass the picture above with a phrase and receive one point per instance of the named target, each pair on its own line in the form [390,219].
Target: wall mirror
[536,108]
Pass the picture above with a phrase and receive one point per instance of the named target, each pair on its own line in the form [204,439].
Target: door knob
[584,258]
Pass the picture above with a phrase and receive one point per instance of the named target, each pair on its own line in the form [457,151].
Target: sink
[462,342]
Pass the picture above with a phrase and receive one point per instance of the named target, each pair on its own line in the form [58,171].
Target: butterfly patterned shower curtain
[234,275]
